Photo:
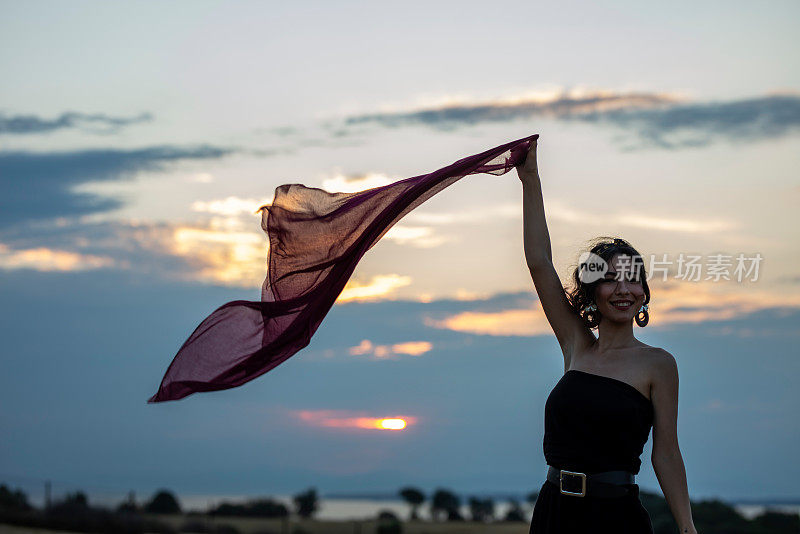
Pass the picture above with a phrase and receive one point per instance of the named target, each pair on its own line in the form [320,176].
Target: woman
[614,389]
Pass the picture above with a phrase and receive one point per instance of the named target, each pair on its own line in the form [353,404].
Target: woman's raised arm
[536,236]
[572,334]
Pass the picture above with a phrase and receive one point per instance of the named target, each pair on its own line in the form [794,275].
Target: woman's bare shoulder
[659,363]
[658,356]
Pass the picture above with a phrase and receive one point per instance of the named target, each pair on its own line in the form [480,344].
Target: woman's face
[627,288]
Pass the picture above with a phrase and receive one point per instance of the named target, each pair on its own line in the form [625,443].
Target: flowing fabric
[316,239]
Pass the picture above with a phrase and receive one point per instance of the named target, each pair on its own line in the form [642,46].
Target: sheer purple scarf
[316,239]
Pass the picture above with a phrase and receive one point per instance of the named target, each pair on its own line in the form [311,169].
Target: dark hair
[581,294]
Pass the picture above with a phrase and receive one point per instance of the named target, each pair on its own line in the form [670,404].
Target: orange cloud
[413,348]
[671,303]
[378,286]
[223,256]
[48,259]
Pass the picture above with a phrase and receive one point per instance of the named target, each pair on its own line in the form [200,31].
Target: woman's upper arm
[664,394]
[572,334]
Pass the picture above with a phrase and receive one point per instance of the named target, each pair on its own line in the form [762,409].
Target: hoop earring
[643,320]
[590,316]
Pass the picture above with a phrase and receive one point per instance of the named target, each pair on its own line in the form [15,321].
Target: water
[346,509]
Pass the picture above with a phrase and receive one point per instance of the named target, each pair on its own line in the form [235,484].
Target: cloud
[378,288]
[562,211]
[467,113]
[47,259]
[516,322]
[657,119]
[281,131]
[352,183]
[218,253]
[37,185]
[231,206]
[743,120]
[31,124]
[673,304]
[381,352]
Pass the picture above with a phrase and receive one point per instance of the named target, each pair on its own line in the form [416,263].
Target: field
[298,526]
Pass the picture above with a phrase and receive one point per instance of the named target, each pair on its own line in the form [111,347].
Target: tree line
[73,512]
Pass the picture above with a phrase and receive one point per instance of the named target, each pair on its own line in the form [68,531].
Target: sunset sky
[137,140]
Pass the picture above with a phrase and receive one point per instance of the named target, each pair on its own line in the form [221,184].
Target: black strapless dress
[593,423]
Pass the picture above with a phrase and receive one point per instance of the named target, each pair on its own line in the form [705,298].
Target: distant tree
[414,498]
[266,508]
[306,503]
[716,517]
[481,510]
[16,500]
[126,507]
[659,512]
[72,504]
[778,522]
[71,512]
[532,497]
[163,502]
[454,514]
[514,512]
[129,505]
[78,498]
[445,502]
[710,517]
[388,523]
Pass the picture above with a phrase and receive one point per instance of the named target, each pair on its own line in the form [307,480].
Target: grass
[295,525]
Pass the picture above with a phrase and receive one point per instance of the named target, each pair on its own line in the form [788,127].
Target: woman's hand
[529,168]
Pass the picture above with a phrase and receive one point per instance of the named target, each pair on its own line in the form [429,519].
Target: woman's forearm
[535,234]
[671,474]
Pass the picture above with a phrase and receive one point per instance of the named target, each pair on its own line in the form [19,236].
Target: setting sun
[392,424]
[338,419]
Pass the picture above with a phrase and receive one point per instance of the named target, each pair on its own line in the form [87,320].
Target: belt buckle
[562,472]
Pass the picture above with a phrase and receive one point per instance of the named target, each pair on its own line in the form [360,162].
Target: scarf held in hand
[316,239]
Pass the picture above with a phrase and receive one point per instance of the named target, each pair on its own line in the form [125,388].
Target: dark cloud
[657,120]
[750,119]
[31,124]
[37,185]
[454,116]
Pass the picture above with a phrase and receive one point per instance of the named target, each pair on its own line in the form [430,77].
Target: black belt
[605,484]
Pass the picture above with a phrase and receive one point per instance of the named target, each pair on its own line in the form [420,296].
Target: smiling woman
[316,239]
[613,391]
